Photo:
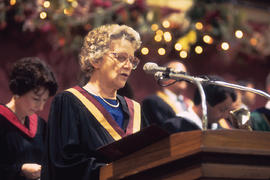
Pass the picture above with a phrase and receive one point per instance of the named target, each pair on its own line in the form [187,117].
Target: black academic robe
[19,144]
[74,135]
[157,111]
[260,119]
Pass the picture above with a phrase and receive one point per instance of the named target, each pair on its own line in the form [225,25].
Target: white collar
[267,105]
[172,95]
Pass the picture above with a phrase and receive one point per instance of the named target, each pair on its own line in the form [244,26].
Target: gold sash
[101,118]
[165,98]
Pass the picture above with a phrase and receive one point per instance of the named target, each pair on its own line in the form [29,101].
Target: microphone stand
[199,81]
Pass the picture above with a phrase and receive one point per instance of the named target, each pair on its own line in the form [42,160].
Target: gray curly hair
[97,43]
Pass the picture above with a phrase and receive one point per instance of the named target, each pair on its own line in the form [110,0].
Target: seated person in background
[244,99]
[22,132]
[260,118]
[170,103]
[83,119]
[219,104]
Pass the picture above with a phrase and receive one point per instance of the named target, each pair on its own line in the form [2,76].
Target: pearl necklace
[112,105]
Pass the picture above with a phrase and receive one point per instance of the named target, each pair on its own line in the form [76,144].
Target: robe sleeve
[144,120]
[66,156]
[10,171]
[7,169]
[259,122]
[156,111]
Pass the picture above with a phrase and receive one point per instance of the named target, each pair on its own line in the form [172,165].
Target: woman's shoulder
[66,98]
[4,112]
[65,94]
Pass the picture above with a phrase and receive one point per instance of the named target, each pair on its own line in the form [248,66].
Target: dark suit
[157,111]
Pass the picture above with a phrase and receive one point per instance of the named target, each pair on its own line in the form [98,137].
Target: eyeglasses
[122,57]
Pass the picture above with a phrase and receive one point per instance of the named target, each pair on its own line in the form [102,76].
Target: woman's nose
[128,64]
[41,106]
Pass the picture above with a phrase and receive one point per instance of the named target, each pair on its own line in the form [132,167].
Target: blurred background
[230,38]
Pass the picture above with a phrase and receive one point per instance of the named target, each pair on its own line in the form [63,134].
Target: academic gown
[74,135]
[157,111]
[260,119]
[19,144]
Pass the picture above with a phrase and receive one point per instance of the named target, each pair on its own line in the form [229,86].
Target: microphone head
[150,67]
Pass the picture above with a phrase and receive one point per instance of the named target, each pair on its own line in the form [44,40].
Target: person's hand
[31,170]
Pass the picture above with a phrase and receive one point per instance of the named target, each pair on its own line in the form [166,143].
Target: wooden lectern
[206,155]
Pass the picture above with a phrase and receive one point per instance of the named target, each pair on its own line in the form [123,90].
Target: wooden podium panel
[206,155]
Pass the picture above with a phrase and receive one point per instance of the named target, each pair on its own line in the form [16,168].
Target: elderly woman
[82,119]
[21,130]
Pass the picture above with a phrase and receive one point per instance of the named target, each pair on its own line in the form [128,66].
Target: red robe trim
[13,119]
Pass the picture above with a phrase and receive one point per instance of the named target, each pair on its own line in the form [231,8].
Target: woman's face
[32,101]
[113,72]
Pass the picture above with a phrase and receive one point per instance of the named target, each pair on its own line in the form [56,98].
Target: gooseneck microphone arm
[192,79]
[204,106]
[199,81]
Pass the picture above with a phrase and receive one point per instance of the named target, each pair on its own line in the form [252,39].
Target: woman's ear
[96,63]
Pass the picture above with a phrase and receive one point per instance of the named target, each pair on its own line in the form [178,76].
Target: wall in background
[16,45]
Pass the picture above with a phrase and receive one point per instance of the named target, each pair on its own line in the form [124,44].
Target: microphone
[165,72]
[152,68]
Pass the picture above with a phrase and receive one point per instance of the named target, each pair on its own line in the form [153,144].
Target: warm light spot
[150,16]
[65,11]
[253,41]
[154,27]
[238,34]
[199,26]
[130,1]
[178,46]
[74,4]
[225,46]
[158,38]
[144,50]
[166,24]
[161,51]
[46,4]
[68,11]
[207,39]
[70,0]
[12,2]
[167,36]
[159,32]
[183,54]
[43,15]
[198,49]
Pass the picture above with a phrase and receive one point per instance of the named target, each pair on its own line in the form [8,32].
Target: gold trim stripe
[165,98]
[96,112]
[137,117]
